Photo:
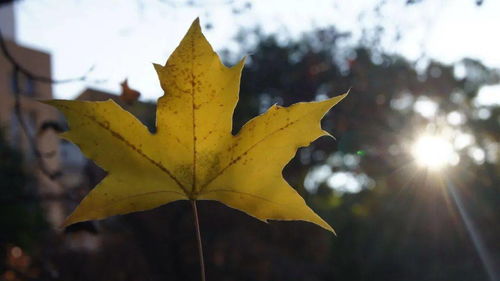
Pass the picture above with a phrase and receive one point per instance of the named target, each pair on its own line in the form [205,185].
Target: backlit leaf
[193,155]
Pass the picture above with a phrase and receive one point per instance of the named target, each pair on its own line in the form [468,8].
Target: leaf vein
[131,146]
[142,195]
[237,159]
[193,85]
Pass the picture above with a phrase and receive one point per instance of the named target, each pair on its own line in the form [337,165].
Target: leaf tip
[335,100]
[68,221]
[325,133]
[332,231]
[49,102]
[158,67]
[42,100]
[75,217]
[195,26]
[323,224]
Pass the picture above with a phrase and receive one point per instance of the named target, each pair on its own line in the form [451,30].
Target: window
[22,84]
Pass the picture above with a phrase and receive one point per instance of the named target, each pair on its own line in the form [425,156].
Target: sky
[122,38]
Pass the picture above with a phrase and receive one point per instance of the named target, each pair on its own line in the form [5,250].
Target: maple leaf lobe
[193,155]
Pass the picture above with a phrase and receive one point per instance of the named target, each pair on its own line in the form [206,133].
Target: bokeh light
[434,152]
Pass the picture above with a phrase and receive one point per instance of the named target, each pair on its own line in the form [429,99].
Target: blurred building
[128,100]
[62,174]
[35,115]
[67,175]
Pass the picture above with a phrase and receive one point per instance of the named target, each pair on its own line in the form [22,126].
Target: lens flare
[434,152]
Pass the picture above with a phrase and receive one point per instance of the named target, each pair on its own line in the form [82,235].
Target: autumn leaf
[193,155]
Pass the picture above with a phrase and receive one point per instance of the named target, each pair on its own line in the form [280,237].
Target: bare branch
[19,68]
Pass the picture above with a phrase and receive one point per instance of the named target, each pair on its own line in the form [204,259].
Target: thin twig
[198,237]
[31,75]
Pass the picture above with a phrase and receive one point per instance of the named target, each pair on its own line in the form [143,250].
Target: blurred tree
[394,220]
[403,225]
[21,220]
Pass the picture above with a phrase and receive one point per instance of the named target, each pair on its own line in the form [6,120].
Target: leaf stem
[198,236]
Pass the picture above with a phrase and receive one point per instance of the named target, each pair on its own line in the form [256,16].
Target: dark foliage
[21,220]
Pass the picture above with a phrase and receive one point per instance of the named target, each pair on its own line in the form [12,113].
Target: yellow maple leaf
[193,155]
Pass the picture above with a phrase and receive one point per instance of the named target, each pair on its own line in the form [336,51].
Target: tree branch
[8,55]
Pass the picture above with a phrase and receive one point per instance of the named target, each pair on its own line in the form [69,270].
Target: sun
[434,152]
